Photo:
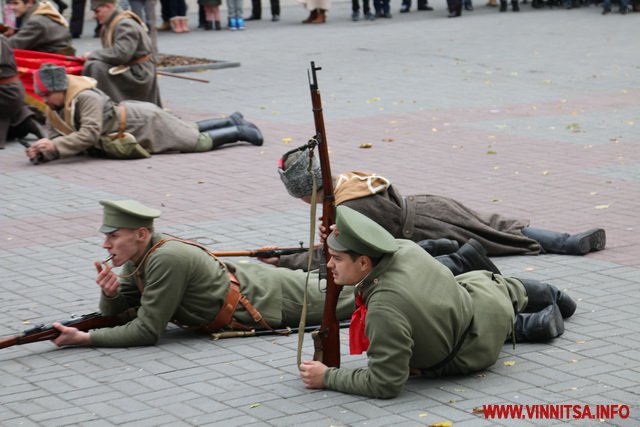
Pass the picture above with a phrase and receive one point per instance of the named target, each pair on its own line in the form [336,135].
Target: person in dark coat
[16,120]
[428,216]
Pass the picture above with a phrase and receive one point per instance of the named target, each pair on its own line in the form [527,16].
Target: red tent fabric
[29,61]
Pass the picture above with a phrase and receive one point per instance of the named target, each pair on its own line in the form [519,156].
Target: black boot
[234,119]
[471,256]
[541,326]
[514,6]
[437,247]
[503,5]
[541,295]
[234,134]
[563,243]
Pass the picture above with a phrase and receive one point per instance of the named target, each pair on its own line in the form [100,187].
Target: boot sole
[593,240]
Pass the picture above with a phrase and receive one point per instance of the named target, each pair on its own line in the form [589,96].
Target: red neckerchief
[358,341]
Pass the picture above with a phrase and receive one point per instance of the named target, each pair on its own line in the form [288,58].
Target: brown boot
[321,18]
[313,15]
[165,26]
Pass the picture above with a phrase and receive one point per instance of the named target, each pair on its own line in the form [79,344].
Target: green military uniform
[45,30]
[418,315]
[124,42]
[182,283]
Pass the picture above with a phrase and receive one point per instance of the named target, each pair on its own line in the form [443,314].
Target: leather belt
[9,80]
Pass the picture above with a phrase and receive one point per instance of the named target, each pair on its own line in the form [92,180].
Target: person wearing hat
[428,216]
[414,316]
[124,68]
[82,118]
[16,120]
[166,279]
[42,28]
[294,173]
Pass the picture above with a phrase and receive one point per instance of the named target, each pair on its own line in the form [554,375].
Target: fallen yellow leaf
[367,145]
[602,206]
[387,139]
[491,152]
[254,405]
[547,82]
[286,140]
[529,269]
[441,424]
[423,414]
[545,173]
[509,363]
[478,410]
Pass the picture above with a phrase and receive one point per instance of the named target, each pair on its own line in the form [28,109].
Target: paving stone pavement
[532,115]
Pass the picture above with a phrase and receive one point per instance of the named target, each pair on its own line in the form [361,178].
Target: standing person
[234,9]
[383,9]
[42,28]
[317,11]
[166,280]
[422,5]
[81,118]
[413,316]
[76,23]
[124,67]
[16,120]
[256,10]
[355,11]
[428,216]
[212,13]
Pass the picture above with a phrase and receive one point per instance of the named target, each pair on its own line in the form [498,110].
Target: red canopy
[29,61]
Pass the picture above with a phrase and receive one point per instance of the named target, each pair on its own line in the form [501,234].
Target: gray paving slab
[532,115]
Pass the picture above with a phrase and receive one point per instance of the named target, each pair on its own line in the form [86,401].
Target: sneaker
[369,16]
[355,16]
[240,23]
[233,24]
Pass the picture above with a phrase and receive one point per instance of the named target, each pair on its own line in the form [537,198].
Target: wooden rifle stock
[84,323]
[262,253]
[328,337]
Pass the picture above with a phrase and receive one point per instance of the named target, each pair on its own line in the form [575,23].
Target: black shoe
[623,11]
[275,18]
[541,295]
[404,8]
[503,6]
[588,241]
[454,14]
[468,7]
[515,7]
[387,15]
[437,247]
[606,11]
[542,326]
[253,18]
[426,8]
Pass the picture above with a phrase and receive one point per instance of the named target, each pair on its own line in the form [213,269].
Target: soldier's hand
[70,336]
[43,146]
[323,232]
[312,373]
[107,280]
[269,260]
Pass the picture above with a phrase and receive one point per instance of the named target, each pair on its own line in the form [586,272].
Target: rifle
[262,332]
[327,338]
[263,253]
[84,323]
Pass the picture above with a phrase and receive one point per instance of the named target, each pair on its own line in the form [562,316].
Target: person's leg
[471,256]
[216,17]
[77,18]
[541,295]
[437,247]
[223,122]
[256,10]
[275,10]
[568,244]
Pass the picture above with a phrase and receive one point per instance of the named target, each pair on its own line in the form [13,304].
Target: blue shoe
[233,24]
[241,24]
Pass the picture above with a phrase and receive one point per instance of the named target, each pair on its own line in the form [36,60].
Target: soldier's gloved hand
[107,280]
[269,260]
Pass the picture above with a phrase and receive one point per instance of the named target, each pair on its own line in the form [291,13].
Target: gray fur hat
[50,78]
[295,176]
